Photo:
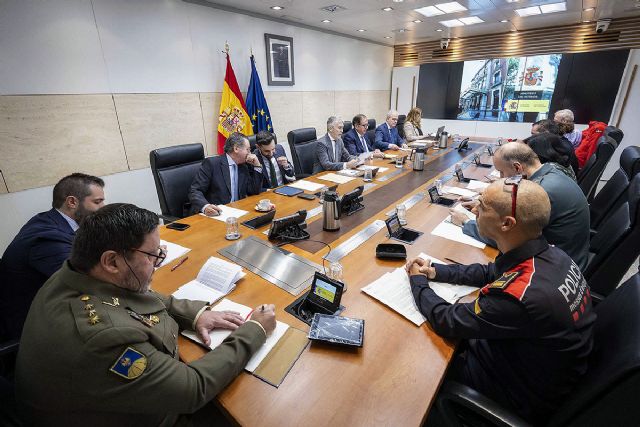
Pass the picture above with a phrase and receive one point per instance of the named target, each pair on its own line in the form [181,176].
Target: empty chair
[614,192]
[615,133]
[173,170]
[616,245]
[347,127]
[592,171]
[302,144]
[400,125]
[606,394]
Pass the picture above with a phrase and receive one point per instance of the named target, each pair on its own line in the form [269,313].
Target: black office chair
[401,119]
[347,127]
[592,171]
[9,411]
[614,192]
[301,141]
[616,245]
[173,170]
[615,133]
[252,142]
[371,130]
[607,393]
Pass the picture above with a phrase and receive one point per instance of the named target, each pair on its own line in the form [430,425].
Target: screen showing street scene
[508,89]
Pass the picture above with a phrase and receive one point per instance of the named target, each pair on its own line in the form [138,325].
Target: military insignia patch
[130,365]
[505,279]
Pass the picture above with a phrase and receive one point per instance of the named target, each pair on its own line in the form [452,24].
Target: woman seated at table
[412,125]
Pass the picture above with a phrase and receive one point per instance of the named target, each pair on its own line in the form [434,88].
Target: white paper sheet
[174,252]
[458,191]
[227,212]
[495,173]
[447,291]
[453,232]
[219,274]
[334,177]
[477,185]
[196,291]
[467,213]
[306,185]
[380,168]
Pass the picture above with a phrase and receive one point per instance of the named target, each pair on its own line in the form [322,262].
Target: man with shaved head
[529,331]
[569,221]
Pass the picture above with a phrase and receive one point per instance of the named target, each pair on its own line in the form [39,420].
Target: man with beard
[99,345]
[41,246]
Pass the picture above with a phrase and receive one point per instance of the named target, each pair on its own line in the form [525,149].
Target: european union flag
[256,104]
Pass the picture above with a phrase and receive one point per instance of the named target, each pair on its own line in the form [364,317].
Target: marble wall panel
[210,103]
[317,107]
[347,104]
[375,104]
[286,113]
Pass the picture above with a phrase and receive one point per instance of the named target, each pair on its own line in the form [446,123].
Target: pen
[248,315]
[453,261]
[180,263]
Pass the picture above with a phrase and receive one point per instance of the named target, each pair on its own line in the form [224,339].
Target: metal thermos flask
[418,159]
[331,211]
[444,139]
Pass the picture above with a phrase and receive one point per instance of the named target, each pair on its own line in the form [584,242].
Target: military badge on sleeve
[130,365]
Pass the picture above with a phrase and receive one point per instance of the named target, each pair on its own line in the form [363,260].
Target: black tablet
[261,220]
[287,191]
[337,330]
[325,293]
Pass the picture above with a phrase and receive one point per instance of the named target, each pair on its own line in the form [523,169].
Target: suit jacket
[212,183]
[38,250]
[353,144]
[325,157]
[117,370]
[288,174]
[384,137]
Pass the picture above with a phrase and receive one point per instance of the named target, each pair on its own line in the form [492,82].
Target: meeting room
[296,213]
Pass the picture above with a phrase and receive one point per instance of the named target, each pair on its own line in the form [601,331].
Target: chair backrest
[173,170]
[608,392]
[296,137]
[372,124]
[614,192]
[592,171]
[306,154]
[401,119]
[371,130]
[347,127]
[614,133]
[252,142]
[615,247]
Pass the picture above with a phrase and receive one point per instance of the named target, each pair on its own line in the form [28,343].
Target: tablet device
[261,220]
[325,293]
[307,196]
[337,330]
[436,198]
[287,191]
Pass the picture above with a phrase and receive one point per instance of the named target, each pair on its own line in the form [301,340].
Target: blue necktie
[234,183]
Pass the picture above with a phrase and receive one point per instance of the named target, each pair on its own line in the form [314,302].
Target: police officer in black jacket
[529,331]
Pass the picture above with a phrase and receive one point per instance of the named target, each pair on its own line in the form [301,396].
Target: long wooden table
[394,378]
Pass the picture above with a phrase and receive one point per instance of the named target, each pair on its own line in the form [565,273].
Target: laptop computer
[399,233]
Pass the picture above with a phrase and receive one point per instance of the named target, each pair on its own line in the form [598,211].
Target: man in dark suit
[277,170]
[330,152]
[387,137]
[41,247]
[356,141]
[229,177]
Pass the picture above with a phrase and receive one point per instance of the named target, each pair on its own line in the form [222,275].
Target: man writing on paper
[529,331]
[229,177]
[331,155]
[99,345]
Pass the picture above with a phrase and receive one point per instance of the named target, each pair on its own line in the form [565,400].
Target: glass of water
[335,273]
[401,211]
[233,233]
[438,184]
[399,161]
[368,175]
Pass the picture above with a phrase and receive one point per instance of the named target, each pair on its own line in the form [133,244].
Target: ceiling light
[277,7]
[399,30]
[398,1]
[589,9]
[429,11]
[387,37]
[387,9]
[586,21]
[452,23]
[439,30]
[326,21]
[416,21]
[504,20]
[471,20]
[512,1]
[553,7]
[451,7]
[528,11]
[361,30]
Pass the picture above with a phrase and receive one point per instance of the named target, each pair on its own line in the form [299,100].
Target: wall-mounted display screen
[504,89]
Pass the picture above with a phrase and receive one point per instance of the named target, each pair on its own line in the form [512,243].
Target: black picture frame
[280,70]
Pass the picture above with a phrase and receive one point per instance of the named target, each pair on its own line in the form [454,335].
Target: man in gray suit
[331,154]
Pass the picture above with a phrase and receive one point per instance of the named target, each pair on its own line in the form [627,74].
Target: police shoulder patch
[503,281]
[130,365]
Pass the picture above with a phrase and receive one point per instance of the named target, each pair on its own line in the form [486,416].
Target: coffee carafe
[331,211]
[444,139]
[418,159]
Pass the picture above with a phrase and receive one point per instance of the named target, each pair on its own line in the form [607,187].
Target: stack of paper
[458,191]
[453,232]
[477,185]
[216,279]
[218,335]
[334,177]
[227,212]
[173,252]
[306,185]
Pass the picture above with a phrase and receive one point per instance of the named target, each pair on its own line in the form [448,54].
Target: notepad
[227,212]
[306,185]
[334,177]
[174,252]
[453,232]
[477,185]
[216,279]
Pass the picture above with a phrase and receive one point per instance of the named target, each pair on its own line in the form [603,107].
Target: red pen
[248,315]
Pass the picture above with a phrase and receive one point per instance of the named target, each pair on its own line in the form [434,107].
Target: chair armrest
[455,398]
[9,347]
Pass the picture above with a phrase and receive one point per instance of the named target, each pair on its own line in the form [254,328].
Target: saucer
[265,210]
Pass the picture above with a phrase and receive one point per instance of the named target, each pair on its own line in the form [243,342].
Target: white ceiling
[368,15]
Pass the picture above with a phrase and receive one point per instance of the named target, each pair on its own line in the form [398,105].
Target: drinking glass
[233,233]
[401,211]
[438,185]
[335,273]
[368,175]
[399,161]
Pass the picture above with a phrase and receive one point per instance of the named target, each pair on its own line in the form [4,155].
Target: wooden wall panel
[622,34]
[43,138]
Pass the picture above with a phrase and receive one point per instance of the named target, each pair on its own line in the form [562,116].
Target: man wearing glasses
[99,344]
[529,332]
[356,141]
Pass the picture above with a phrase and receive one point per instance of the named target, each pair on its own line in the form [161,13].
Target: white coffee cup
[264,204]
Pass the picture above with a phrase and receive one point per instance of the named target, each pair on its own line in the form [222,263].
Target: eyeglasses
[514,182]
[363,124]
[159,258]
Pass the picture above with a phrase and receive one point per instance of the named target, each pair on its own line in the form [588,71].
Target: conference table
[393,379]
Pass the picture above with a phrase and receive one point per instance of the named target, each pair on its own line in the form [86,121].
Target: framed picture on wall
[279,60]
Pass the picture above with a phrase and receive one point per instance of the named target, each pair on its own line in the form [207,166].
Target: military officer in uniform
[100,348]
[529,331]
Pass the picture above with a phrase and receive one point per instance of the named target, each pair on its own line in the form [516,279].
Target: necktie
[234,183]
[364,144]
[336,157]
[272,173]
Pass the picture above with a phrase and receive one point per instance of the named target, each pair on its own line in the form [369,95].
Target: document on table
[174,251]
[380,168]
[218,335]
[458,191]
[306,185]
[466,212]
[453,232]
[334,177]
[477,185]
[447,291]
[216,279]
[227,212]
[495,173]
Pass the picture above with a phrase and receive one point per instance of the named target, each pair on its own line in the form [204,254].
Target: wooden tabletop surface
[392,380]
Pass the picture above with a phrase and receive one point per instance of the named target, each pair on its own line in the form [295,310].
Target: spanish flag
[233,112]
